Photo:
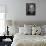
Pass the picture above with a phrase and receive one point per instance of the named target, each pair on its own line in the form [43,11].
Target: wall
[40,11]
[16,10]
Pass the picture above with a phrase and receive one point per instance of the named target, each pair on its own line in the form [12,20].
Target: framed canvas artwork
[30,9]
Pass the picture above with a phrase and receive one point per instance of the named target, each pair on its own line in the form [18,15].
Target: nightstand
[6,40]
[7,43]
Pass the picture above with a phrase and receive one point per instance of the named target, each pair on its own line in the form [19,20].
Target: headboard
[21,23]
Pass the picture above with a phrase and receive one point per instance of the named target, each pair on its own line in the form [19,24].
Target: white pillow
[13,30]
[36,30]
[28,26]
[21,30]
[44,27]
[28,31]
[42,30]
[24,30]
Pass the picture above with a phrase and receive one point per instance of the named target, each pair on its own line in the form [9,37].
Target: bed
[29,40]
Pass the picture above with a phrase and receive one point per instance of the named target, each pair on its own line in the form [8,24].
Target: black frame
[29,12]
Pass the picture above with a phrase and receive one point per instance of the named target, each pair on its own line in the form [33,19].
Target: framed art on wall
[30,9]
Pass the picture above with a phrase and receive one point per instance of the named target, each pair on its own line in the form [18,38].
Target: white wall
[17,8]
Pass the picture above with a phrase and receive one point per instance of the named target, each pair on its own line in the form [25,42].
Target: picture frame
[30,9]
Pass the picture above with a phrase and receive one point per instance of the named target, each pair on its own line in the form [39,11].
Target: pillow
[44,29]
[21,30]
[28,31]
[36,30]
[33,30]
[28,26]
[24,30]
[13,30]
[44,26]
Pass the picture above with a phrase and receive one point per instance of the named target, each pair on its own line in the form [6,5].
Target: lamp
[8,23]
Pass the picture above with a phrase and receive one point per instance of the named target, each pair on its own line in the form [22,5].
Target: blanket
[29,40]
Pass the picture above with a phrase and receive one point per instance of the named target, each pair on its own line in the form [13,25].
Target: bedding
[28,29]
[13,30]
[43,30]
[28,26]
[44,27]
[25,30]
[21,30]
[28,40]
[36,30]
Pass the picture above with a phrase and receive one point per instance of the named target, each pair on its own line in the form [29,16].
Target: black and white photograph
[30,9]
